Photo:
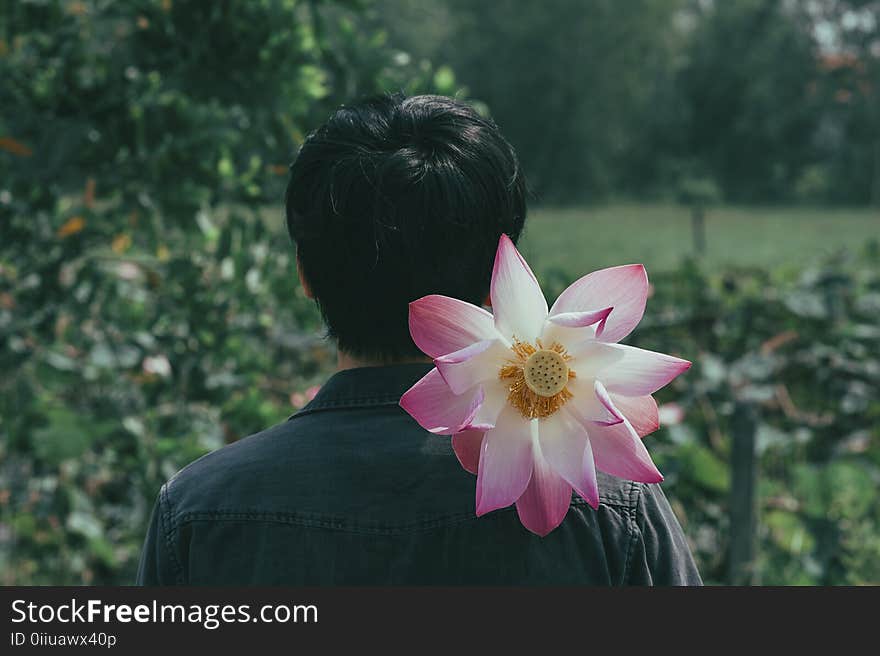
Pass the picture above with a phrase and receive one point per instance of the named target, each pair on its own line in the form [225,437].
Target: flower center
[546,372]
[536,378]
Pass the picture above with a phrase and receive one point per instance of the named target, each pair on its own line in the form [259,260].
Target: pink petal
[625,288]
[619,451]
[517,300]
[506,462]
[627,370]
[543,505]
[473,364]
[641,411]
[433,405]
[467,449]
[590,402]
[441,325]
[564,445]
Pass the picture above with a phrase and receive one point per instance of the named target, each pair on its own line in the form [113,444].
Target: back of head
[394,198]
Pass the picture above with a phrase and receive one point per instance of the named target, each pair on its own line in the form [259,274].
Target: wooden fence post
[698,229]
[742,495]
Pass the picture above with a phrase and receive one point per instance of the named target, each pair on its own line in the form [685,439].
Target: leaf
[806,304]
[72,226]
[102,356]
[705,467]
[789,532]
[769,437]
[444,80]
[85,524]
[206,225]
[60,361]
[121,243]
[64,438]
[842,489]
[15,147]
[225,167]
[712,368]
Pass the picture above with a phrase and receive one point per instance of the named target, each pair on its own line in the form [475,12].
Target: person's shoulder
[229,477]
[618,492]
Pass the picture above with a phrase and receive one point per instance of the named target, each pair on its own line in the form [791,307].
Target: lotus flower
[535,400]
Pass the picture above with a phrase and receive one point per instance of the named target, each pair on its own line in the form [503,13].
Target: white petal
[494,401]
[626,370]
[563,441]
[590,402]
[473,364]
[517,301]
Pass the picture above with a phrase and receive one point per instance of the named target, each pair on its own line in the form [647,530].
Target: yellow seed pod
[546,373]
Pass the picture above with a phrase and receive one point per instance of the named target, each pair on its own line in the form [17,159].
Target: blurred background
[148,306]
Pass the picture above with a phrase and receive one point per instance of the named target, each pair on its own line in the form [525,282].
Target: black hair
[394,198]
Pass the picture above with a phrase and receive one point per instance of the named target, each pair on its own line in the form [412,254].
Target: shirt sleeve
[156,565]
[660,554]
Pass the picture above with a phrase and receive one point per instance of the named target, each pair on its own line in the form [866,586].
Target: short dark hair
[394,198]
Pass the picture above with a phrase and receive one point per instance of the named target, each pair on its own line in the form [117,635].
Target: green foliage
[747,118]
[147,315]
[698,192]
[849,90]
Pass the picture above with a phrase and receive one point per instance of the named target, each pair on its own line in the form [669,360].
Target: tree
[850,91]
[750,116]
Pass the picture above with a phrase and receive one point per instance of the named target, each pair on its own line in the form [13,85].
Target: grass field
[659,236]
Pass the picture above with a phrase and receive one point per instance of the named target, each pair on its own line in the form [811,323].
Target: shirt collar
[366,387]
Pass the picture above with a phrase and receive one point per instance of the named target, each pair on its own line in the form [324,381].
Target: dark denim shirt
[351,491]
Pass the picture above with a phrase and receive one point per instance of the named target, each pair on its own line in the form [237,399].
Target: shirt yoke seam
[330,522]
[168,528]
[347,404]
[632,512]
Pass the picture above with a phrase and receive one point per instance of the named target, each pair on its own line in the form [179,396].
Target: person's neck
[346,361]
